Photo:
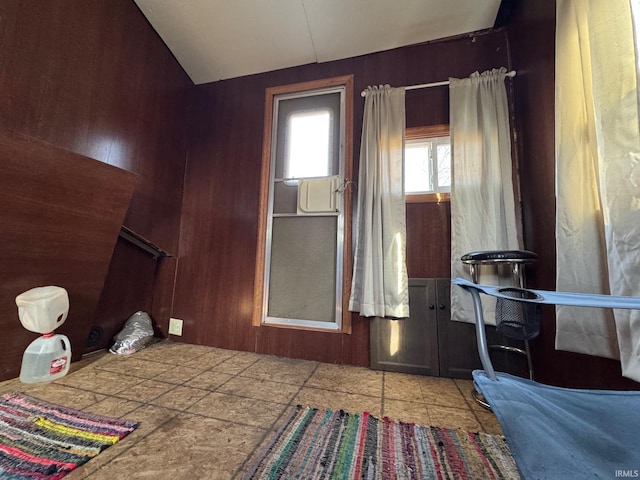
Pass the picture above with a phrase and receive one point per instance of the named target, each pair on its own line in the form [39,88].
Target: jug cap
[39,294]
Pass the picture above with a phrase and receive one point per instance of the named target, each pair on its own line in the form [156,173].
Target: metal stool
[516,259]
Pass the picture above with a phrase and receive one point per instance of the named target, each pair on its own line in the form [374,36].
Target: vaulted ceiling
[221,39]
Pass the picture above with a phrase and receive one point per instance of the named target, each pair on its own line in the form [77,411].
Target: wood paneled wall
[128,288]
[532,43]
[429,240]
[214,294]
[57,229]
[93,77]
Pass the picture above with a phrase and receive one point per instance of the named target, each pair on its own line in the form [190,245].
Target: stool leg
[517,275]
[474,271]
[518,279]
[529,362]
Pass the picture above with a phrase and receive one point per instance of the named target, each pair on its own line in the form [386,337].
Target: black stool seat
[514,258]
[491,257]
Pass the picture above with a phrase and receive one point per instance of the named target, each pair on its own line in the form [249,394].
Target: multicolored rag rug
[323,444]
[42,440]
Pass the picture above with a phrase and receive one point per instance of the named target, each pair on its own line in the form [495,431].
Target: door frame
[265,185]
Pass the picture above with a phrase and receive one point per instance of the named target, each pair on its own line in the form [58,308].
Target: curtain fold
[598,176]
[483,209]
[380,285]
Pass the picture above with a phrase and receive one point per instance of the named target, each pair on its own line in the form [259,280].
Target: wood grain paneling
[61,214]
[127,289]
[429,240]
[164,285]
[531,39]
[94,78]
[214,292]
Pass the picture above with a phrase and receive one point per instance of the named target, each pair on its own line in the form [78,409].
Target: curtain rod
[511,74]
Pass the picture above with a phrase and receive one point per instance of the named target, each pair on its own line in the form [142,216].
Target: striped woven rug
[42,440]
[323,444]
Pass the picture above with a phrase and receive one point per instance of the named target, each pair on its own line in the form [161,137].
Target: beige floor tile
[179,398]
[463,384]
[442,391]
[453,418]
[466,387]
[9,386]
[92,359]
[248,411]
[200,448]
[132,366]
[260,389]
[237,363]
[344,378]
[149,418]
[177,374]
[63,395]
[100,381]
[489,423]
[282,370]
[146,390]
[209,380]
[113,407]
[349,402]
[174,353]
[407,411]
[211,358]
[401,386]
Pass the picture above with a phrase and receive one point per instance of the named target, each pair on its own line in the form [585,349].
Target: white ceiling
[220,39]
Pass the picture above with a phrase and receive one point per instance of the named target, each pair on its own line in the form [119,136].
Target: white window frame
[428,133]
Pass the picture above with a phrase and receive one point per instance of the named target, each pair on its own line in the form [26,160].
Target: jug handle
[67,345]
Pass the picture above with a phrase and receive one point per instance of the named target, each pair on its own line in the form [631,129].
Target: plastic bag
[135,334]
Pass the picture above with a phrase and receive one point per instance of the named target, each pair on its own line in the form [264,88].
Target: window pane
[635,14]
[308,144]
[417,167]
[444,165]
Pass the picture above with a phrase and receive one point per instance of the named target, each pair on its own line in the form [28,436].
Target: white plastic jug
[46,358]
[43,309]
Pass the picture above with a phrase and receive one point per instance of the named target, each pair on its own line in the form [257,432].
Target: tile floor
[204,410]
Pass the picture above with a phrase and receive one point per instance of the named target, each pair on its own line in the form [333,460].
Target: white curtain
[598,176]
[483,210]
[380,285]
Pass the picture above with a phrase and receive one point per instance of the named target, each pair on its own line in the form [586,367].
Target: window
[427,167]
[309,144]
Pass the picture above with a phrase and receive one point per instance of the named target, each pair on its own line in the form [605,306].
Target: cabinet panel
[409,345]
[457,344]
[429,343]
[457,349]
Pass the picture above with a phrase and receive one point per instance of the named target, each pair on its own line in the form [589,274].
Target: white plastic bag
[135,334]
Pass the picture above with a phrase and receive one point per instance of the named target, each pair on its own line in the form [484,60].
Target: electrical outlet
[175,326]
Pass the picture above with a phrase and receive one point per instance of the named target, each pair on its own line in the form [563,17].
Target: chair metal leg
[479,399]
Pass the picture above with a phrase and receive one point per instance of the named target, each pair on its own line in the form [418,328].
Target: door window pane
[308,144]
